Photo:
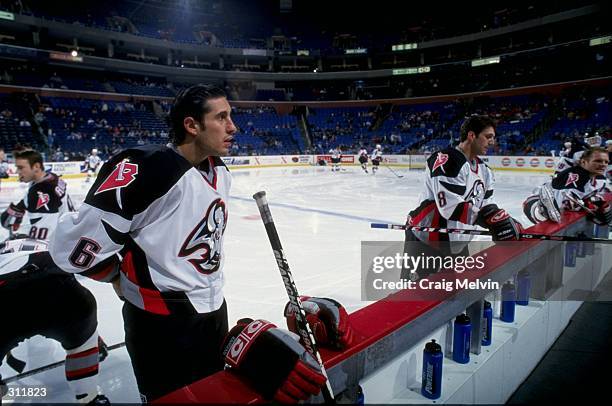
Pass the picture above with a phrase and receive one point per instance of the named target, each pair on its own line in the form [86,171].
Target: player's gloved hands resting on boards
[328,320]
[602,212]
[273,360]
[498,221]
[12,217]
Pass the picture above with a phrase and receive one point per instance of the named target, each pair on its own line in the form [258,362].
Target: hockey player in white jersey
[39,298]
[573,188]
[336,157]
[363,159]
[92,164]
[44,202]
[459,194]
[156,216]
[376,158]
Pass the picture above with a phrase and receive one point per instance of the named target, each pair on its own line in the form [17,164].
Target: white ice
[321,218]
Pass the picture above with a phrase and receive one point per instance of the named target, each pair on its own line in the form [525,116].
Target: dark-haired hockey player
[573,188]
[42,299]
[459,194]
[363,159]
[44,202]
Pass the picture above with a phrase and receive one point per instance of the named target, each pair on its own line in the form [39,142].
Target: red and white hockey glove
[12,217]
[328,320]
[602,212]
[273,361]
[498,221]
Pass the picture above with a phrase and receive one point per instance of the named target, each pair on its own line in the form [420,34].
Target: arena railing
[390,332]
[287,106]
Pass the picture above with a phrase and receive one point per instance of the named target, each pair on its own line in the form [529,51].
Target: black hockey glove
[602,212]
[273,361]
[12,217]
[498,221]
[327,318]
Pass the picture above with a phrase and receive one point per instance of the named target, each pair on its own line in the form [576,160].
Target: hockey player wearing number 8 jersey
[44,202]
[459,194]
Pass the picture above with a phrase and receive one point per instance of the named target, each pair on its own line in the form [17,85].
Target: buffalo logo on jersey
[43,200]
[441,159]
[206,237]
[123,174]
[477,192]
[572,179]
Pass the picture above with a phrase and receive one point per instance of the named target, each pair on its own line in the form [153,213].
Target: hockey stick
[53,365]
[393,172]
[294,297]
[526,236]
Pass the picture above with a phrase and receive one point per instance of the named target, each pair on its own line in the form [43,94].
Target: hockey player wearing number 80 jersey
[459,193]
[44,202]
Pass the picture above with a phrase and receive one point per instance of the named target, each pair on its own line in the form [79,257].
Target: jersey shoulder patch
[447,162]
[571,178]
[132,179]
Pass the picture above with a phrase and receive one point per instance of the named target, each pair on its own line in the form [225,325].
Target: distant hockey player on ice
[92,163]
[573,189]
[363,159]
[336,156]
[376,158]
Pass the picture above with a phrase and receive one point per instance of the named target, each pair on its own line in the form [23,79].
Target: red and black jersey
[44,202]
[159,222]
[578,182]
[455,191]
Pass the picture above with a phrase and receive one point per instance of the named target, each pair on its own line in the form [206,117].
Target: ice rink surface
[321,217]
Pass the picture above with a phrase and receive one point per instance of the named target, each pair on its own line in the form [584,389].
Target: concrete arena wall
[501,162]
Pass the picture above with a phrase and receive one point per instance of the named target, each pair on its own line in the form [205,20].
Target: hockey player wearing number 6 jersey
[157,216]
[44,202]
[459,194]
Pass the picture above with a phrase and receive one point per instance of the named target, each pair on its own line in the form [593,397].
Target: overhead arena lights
[600,40]
[485,61]
[404,47]
[412,71]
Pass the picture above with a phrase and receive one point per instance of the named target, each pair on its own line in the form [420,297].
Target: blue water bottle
[431,384]
[523,287]
[360,397]
[487,323]
[570,254]
[508,301]
[461,339]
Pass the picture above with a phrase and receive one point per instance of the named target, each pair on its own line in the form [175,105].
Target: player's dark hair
[191,102]
[33,157]
[588,153]
[476,124]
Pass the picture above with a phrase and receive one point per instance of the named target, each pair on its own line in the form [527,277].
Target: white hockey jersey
[44,203]
[376,155]
[455,191]
[92,162]
[363,153]
[335,153]
[158,219]
[578,183]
